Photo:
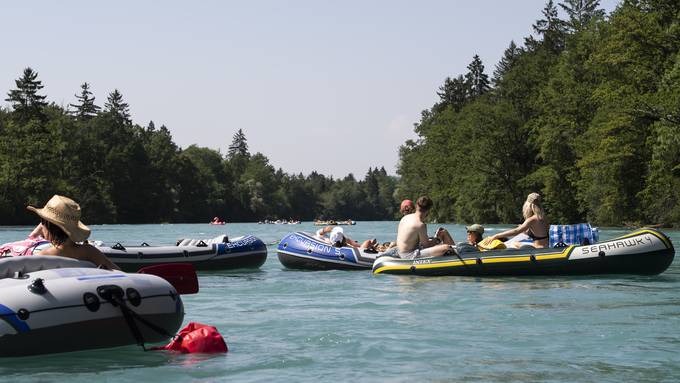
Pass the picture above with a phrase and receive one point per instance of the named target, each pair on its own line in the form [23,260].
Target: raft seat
[203,242]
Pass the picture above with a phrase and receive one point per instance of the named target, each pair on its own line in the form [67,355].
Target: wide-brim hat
[65,213]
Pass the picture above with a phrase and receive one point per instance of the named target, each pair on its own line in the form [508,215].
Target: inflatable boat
[300,250]
[645,251]
[51,304]
[218,253]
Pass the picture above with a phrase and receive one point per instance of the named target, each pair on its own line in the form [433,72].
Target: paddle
[182,276]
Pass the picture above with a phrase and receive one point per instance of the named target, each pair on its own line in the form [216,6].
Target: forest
[121,172]
[586,111]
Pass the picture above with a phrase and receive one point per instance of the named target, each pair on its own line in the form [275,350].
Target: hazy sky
[332,86]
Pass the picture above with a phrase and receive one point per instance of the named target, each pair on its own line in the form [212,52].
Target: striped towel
[577,234]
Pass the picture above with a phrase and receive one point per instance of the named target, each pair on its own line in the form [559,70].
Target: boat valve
[37,287]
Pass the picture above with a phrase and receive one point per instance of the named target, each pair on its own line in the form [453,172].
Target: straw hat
[65,213]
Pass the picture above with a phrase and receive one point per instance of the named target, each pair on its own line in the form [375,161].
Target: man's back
[409,231]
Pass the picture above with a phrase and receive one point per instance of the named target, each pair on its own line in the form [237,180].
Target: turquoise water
[283,325]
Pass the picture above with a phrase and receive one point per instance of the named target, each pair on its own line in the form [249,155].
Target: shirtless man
[412,239]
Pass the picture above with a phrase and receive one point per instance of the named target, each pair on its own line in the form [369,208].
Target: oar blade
[182,276]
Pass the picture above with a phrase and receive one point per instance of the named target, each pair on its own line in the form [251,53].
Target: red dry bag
[197,338]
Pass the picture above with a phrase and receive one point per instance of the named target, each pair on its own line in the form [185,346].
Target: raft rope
[114,295]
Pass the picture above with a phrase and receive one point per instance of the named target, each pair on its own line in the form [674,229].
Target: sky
[327,86]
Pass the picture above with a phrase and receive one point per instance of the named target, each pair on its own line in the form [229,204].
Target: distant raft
[219,253]
[300,250]
[51,304]
[645,251]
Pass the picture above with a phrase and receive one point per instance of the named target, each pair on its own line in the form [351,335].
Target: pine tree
[26,101]
[116,106]
[239,146]
[453,93]
[580,13]
[477,81]
[507,61]
[86,107]
[551,28]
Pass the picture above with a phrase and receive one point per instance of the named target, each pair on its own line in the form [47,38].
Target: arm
[513,232]
[37,232]
[352,242]
[424,240]
[98,258]
[324,230]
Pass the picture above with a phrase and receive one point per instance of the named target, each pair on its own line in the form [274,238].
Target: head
[337,237]
[424,204]
[53,233]
[475,233]
[60,218]
[532,206]
[407,207]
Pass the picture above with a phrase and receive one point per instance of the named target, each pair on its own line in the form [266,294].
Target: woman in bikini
[535,223]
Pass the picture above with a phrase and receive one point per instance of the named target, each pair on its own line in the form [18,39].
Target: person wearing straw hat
[60,224]
[535,223]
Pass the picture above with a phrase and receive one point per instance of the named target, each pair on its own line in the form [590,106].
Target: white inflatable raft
[52,304]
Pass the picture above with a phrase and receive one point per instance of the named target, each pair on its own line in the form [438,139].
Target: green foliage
[120,172]
[85,108]
[25,100]
[587,113]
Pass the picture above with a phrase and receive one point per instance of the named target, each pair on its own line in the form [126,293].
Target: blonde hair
[532,206]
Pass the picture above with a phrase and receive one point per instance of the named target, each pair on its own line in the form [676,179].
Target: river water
[303,326]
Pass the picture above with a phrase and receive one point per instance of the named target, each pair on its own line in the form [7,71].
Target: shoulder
[88,251]
[531,219]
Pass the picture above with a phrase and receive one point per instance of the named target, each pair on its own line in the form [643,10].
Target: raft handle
[37,287]
[601,254]
[118,246]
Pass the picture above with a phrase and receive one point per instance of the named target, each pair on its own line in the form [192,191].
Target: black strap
[455,251]
[130,317]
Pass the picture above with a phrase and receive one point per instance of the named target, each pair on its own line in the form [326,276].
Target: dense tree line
[586,111]
[121,172]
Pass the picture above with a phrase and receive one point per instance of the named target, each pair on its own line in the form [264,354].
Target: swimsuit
[416,253]
[534,237]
